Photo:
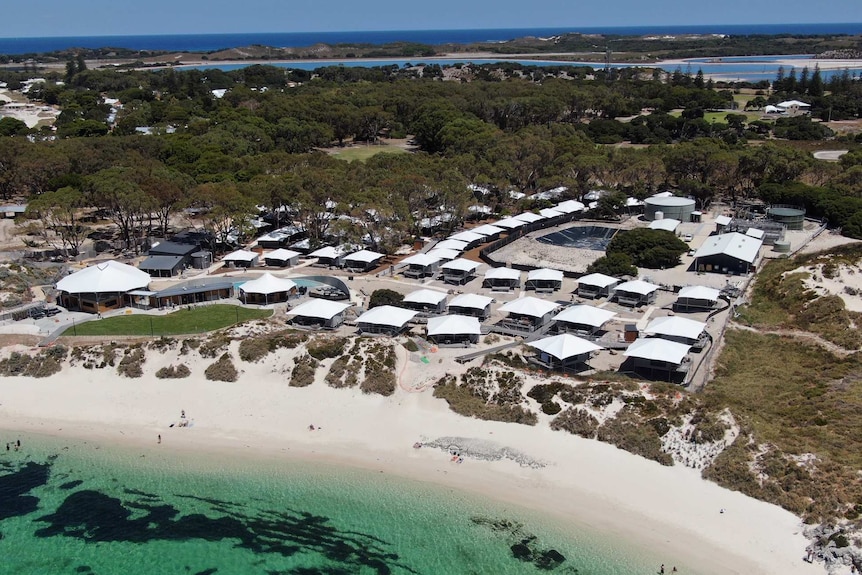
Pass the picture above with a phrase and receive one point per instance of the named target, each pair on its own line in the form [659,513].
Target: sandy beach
[668,511]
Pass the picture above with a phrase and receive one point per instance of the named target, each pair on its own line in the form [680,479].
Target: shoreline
[665,511]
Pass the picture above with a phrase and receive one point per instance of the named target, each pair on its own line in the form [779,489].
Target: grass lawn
[363,152]
[196,320]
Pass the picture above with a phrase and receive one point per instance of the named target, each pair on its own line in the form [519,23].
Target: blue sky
[122,17]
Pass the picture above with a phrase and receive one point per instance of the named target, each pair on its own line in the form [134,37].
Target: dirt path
[798,334]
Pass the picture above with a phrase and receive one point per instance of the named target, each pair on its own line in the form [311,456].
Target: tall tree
[60,215]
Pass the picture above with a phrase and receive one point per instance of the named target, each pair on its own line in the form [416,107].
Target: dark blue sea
[212,42]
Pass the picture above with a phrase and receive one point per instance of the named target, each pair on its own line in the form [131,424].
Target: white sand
[668,511]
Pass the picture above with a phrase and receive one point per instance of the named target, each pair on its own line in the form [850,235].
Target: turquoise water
[73,507]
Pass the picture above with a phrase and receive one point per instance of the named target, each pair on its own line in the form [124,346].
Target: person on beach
[160,438]
[18,443]
[311,427]
[661,569]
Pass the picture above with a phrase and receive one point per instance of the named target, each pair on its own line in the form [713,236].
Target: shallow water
[80,508]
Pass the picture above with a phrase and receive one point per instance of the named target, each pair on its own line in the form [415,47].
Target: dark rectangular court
[584,237]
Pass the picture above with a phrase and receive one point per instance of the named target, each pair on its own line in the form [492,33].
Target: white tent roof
[529,217]
[598,280]
[327,252]
[106,277]
[428,296]
[267,284]
[461,264]
[755,233]
[240,256]
[364,256]
[467,236]
[319,308]
[451,245]
[454,325]
[657,349]
[723,220]
[531,306]
[502,274]
[791,103]
[550,213]
[699,292]
[421,260]
[735,245]
[487,230]
[545,274]
[676,326]
[281,254]
[667,224]
[569,206]
[586,315]
[387,315]
[564,346]
[769,109]
[637,286]
[509,223]
[444,253]
[471,300]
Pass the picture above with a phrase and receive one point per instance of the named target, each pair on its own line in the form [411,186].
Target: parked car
[687,237]
[52,311]
[37,313]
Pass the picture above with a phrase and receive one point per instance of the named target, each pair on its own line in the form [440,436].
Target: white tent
[241,256]
[550,213]
[769,109]
[666,224]
[444,253]
[570,206]
[318,308]
[585,315]
[364,256]
[282,254]
[268,284]
[509,223]
[675,326]
[454,325]
[699,292]
[328,252]
[639,287]
[106,277]
[529,306]
[598,280]
[461,264]
[422,260]
[451,245]
[467,236]
[529,217]
[471,301]
[425,296]
[502,274]
[564,346]
[487,230]
[386,316]
[657,349]
[545,274]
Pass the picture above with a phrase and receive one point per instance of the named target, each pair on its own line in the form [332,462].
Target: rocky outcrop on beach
[835,546]
[844,54]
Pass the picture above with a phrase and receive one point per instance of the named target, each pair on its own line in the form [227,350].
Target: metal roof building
[727,253]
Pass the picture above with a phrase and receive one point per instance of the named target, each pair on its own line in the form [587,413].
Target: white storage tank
[674,207]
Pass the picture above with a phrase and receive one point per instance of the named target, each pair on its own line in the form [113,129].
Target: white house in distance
[472,238]
[425,300]
[544,280]
[459,271]
[504,279]
[679,329]
[583,320]
[491,232]
[241,259]
[444,254]
[456,245]
[385,319]
[471,304]
[421,265]
[564,351]
[727,253]
[328,256]
[281,258]
[451,329]
[696,298]
[318,312]
[363,260]
[527,313]
[596,286]
[793,107]
[635,293]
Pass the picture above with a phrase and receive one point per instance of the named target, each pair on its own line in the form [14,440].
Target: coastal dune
[668,512]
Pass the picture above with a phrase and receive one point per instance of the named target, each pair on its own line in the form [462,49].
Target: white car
[687,237]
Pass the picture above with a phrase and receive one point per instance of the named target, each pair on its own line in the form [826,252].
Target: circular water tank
[792,218]
[201,260]
[672,207]
[781,246]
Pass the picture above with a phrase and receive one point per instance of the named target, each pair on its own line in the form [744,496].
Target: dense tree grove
[500,129]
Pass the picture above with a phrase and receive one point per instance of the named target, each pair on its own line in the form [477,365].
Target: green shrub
[551,408]
[215,344]
[629,433]
[303,371]
[170,372]
[381,297]
[222,370]
[189,344]
[337,371]
[252,349]
[577,422]
[410,345]
[130,365]
[463,402]
[326,347]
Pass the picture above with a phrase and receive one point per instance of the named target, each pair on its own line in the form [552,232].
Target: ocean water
[75,507]
[210,42]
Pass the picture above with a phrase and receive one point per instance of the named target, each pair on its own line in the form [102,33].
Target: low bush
[170,372]
[551,408]
[463,402]
[42,364]
[380,371]
[215,344]
[303,372]
[130,365]
[253,349]
[222,370]
[628,432]
[326,347]
[411,346]
[577,422]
